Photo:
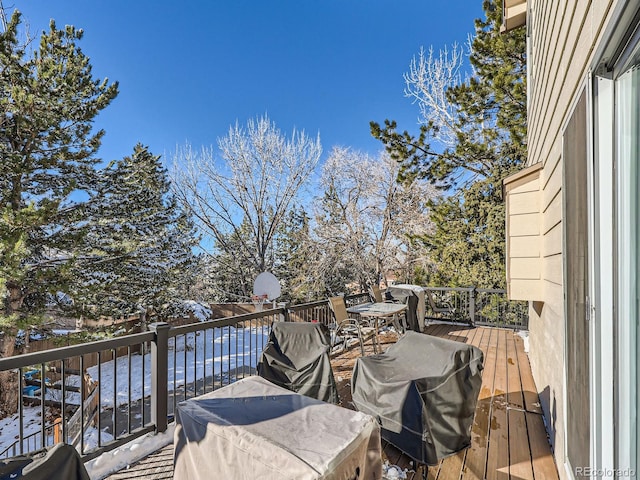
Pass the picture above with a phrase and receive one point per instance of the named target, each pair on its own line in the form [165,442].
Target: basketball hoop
[258,302]
[265,287]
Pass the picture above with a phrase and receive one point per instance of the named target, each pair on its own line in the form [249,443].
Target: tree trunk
[15,297]
[8,379]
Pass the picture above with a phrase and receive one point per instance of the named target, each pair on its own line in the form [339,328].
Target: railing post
[472,305]
[284,316]
[159,375]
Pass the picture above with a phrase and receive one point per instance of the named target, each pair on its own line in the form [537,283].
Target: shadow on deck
[508,437]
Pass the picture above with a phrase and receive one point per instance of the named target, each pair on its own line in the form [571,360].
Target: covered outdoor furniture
[297,358]
[419,292]
[59,462]
[423,390]
[253,429]
[411,298]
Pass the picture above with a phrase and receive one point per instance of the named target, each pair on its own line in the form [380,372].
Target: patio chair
[376,294]
[443,308]
[348,329]
[379,296]
[297,358]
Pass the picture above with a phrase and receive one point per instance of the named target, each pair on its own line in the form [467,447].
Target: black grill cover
[423,390]
[60,462]
[297,358]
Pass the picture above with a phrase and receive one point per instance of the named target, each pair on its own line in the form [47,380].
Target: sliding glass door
[627,88]
[575,192]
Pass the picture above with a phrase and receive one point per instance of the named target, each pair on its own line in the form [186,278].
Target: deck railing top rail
[62,353]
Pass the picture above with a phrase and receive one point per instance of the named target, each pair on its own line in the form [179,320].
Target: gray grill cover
[297,358]
[60,462]
[423,390]
[403,295]
[253,429]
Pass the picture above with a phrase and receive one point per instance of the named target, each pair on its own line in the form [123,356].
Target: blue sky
[188,70]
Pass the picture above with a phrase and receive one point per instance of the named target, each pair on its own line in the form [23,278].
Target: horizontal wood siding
[523,234]
[563,37]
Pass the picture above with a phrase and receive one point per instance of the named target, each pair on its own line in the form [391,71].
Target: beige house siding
[562,39]
[524,239]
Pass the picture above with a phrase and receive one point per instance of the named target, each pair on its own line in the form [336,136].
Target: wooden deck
[508,437]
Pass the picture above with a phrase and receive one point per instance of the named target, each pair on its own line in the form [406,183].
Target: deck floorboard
[508,438]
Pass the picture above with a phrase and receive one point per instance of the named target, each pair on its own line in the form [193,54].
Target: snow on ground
[227,348]
[10,432]
[525,337]
[393,472]
[129,453]
[71,398]
[230,348]
[64,331]
[10,426]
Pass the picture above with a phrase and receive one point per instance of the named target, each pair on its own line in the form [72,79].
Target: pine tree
[489,126]
[293,255]
[48,102]
[139,248]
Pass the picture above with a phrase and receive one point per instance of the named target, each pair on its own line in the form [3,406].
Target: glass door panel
[628,143]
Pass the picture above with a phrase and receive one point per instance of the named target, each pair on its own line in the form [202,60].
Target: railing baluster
[229,353]
[143,368]
[20,411]
[244,350]
[82,399]
[99,398]
[221,351]
[64,402]
[184,368]
[195,363]
[114,352]
[175,357]
[250,349]
[235,327]
[43,394]
[129,389]
[204,365]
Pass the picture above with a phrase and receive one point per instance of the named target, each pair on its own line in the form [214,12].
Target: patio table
[254,429]
[377,311]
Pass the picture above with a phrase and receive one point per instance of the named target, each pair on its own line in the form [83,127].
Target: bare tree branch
[366,218]
[254,181]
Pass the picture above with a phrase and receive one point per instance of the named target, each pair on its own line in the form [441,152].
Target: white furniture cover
[253,429]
